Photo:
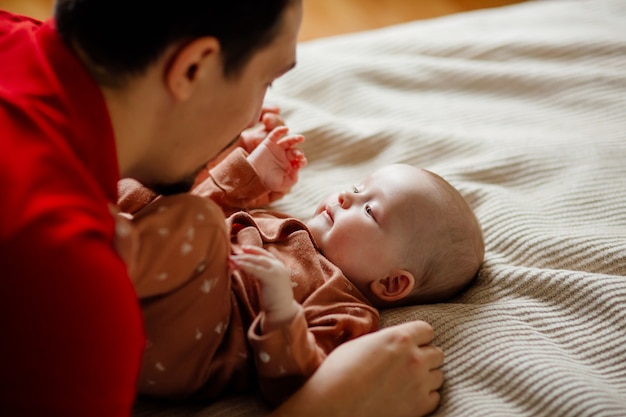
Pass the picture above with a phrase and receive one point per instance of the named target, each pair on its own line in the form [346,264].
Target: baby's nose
[344,199]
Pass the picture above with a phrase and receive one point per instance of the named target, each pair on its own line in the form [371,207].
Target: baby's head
[403,236]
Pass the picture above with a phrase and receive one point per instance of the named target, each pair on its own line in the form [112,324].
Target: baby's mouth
[329,213]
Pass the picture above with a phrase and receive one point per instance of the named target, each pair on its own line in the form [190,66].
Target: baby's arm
[277,160]
[249,139]
[289,346]
[285,352]
[278,305]
[244,181]
[164,244]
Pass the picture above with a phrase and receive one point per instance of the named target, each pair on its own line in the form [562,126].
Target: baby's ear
[395,287]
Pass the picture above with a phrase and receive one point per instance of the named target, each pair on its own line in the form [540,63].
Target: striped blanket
[523,109]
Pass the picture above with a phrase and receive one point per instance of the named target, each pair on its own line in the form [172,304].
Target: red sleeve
[70,314]
[70,326]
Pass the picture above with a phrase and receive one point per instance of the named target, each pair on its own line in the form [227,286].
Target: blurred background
[328,17]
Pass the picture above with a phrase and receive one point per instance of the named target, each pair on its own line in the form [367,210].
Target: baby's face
[364,231]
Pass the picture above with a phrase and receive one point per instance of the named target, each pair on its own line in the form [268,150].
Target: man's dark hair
[121,38]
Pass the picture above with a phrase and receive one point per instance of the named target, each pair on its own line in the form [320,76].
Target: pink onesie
[202,321]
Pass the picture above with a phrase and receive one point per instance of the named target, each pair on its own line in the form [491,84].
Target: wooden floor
[329,17]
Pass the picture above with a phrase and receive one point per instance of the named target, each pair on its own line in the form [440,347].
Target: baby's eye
[368,210]
[355,190]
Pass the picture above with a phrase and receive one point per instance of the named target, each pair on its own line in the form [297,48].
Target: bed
[523,109]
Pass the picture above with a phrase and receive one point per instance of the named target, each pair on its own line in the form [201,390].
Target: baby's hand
[277,299]
[270,119]
[277,161]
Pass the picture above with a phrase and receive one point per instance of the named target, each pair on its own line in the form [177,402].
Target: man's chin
[178,187]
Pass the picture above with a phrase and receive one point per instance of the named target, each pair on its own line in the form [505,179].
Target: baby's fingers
[277,133]
[287,142]
[272,121]
[256,266]
[296,158]
[278,137]
[256,250]
[251,262]
[263,267]
[253,256]
[269,109]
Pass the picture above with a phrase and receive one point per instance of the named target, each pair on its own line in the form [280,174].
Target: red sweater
[69,321]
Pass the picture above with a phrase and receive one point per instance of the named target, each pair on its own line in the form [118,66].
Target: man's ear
[188,63]
[394,287]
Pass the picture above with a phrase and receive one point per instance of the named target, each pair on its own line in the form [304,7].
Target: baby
[265,296]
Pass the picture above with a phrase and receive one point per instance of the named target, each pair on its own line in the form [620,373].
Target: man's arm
[394,372]
[71,326]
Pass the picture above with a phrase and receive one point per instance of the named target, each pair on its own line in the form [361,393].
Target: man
[150,90]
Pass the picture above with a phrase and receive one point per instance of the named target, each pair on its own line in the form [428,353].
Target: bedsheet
[523,109]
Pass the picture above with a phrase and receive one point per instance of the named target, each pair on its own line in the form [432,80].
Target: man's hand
[393,372]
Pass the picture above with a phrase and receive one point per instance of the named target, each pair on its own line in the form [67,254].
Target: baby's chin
[313,225]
